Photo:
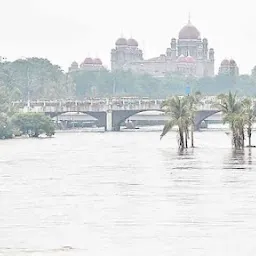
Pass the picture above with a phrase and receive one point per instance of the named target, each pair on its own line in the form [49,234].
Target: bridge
[110,113]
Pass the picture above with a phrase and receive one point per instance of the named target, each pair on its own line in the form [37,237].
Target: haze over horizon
[64,31]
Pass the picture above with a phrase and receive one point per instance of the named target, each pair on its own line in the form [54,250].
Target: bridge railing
[98,105]
[206,107]
[89,105]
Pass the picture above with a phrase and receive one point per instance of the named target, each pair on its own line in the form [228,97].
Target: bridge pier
[109,121]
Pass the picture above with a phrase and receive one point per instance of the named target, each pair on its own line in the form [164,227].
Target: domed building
[125,51]
[229,67]
[88,64]
[187,55]
[74,66]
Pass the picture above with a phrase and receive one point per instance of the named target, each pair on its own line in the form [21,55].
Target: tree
[33,124]
[36,78]
[4,99]
[7,96]
[232,111]
[193,102]
[177,109]
[249,116]
[92,83]
[6,130]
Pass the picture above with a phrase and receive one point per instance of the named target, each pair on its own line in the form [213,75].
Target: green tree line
[37,78]
[105,83]
[34,78]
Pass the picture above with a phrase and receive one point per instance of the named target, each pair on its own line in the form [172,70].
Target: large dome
[189,31]
[225,62]
[232,62]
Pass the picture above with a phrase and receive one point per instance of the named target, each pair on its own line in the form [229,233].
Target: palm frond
[167,127]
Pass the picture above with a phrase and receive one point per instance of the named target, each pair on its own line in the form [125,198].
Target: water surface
[126,193]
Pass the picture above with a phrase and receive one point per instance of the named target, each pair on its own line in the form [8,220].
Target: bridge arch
[201,115]
[100,116]
[119,116]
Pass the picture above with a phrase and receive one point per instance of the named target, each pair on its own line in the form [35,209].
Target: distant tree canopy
[105,83]
[5,127]
[39,79]
[35,78]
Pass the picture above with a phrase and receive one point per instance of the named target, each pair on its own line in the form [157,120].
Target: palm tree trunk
[186,139]
[249,133]
[237,139]
[181,139]
[243,137]
[192,135]
[234,136]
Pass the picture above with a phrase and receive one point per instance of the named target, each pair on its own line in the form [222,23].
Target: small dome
[97,61]
[74,64]
[132,42]
[190,59]
[225,62]
[88,61]
[181,58]
[121,41]
[189,31]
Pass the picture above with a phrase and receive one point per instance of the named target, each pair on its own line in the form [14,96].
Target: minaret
[173,49]
[211,54]
[205,48]
[211,64]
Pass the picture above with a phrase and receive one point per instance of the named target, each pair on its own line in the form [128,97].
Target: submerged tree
[249,112]
[193,101]
[33,124]
[178,110]
[182,112]
[233,113]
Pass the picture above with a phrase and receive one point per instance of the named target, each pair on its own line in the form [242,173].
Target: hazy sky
[67,30]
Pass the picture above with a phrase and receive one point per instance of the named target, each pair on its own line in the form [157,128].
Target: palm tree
[249,116]
[231,109]
[177,109]
[193,102]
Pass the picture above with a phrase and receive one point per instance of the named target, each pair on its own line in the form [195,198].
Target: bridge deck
[95,105]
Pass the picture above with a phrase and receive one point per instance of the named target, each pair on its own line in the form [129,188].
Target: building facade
[228,67]
[88,64]
[187,55]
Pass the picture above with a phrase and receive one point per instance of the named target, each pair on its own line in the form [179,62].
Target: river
[126,193]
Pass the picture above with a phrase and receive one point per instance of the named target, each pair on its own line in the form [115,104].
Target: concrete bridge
[109,113]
